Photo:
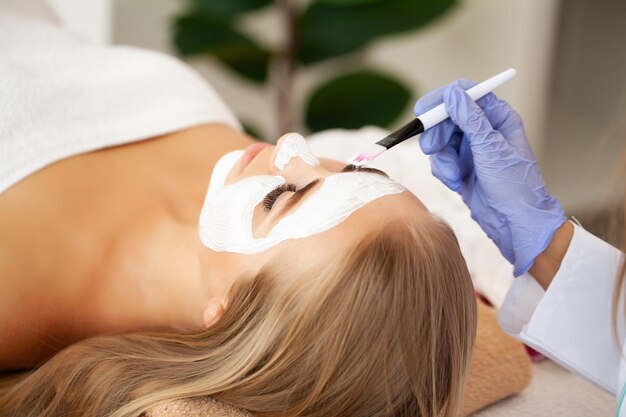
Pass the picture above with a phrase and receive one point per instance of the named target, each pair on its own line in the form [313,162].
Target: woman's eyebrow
[301,193]
[354,168]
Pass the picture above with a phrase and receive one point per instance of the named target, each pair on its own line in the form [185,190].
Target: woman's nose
[289,147]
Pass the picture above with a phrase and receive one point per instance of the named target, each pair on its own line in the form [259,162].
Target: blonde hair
[386,329]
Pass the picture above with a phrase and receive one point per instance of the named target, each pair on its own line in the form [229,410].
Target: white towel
[61,95]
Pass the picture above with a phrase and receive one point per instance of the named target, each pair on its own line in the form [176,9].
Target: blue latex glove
[482,153]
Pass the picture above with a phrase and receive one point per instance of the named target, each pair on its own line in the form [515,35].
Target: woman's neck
[108,243]
[157,265]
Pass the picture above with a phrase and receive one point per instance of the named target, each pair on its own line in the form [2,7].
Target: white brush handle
[439,113]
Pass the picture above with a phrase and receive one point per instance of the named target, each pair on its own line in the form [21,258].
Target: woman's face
[282,202]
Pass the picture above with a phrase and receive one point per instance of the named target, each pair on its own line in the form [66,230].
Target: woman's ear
[213,312]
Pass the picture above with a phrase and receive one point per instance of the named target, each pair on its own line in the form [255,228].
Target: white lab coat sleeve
[571,322]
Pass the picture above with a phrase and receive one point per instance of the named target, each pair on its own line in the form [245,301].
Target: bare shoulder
[24,346]
[26,320]
[62,227]
[28,308]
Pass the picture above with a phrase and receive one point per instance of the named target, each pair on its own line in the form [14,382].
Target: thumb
[446,166]
[437,137]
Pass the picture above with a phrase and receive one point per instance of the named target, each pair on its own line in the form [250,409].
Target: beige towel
[500,367]
[196,407]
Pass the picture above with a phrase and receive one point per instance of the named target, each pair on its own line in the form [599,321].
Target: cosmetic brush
[426,120]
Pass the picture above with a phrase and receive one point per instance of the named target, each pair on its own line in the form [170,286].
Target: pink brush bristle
[367,155]
[357,159]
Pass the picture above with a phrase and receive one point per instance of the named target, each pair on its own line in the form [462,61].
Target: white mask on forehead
[226,217]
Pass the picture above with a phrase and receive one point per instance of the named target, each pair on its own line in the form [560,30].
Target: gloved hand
[482,153]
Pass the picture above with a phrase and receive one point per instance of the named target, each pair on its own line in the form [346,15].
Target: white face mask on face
[293,145]
[226,217]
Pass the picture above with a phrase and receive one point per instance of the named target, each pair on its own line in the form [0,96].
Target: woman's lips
[249,154]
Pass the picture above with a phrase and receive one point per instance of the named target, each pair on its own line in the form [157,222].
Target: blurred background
[308,65]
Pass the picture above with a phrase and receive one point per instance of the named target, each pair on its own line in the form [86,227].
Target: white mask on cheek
[226,217]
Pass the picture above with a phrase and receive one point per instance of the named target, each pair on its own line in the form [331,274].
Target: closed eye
[298,195]
[272,196]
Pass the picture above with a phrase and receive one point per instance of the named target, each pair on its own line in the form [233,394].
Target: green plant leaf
[226,8]
[329,28]
[197,34]
[356,99]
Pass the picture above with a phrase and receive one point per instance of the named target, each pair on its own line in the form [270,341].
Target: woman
[99,235]
[569,284]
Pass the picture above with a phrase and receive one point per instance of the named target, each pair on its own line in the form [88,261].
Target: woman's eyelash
[272,196]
